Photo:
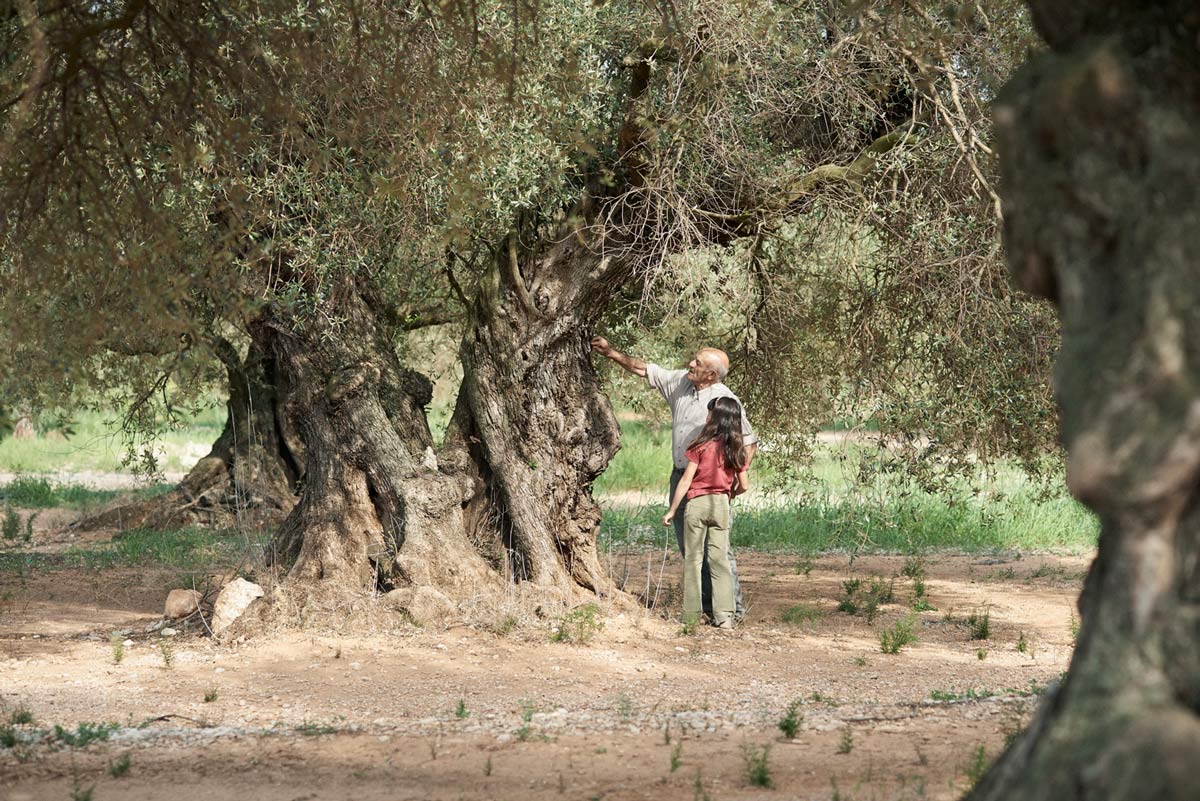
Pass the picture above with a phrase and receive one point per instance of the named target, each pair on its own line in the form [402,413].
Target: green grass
[94,445]
[184,549]
[800,613]
[84,734]
[38,492]
[916,522]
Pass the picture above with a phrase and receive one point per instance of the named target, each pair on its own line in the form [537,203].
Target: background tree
[1100,174]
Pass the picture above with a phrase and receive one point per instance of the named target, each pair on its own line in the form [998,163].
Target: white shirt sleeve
[665,381]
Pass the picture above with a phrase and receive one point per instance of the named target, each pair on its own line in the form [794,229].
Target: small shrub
[801,613]
[979,624]
[914,568]
[625,707]
[118,649]
[8,737]
[21,716]
[676,756]
[1074,628]
[789,724]
[527,710]
[81,793]
[977,766]
[1022,644]
[758,772]
[870,607]
[1047,570]
[120,767]
[11,526]
[899,635]
[846,743]
[981,654]
[805,566]
[849,604]
[210,695]
[461,711]
[580,625]
[884,592]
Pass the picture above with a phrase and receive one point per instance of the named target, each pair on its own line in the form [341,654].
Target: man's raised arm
[636,366]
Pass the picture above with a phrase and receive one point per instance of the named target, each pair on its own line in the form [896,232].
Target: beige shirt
[689,408]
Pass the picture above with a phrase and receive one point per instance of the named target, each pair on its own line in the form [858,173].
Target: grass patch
[903,523]
[801,613]
[38,492]
[95,444]
[184,549]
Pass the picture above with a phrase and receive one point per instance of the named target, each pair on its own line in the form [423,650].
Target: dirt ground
[472,711]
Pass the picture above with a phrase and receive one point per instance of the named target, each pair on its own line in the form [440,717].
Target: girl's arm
[742,483]
[685,483]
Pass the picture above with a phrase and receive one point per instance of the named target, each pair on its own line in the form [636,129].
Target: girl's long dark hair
[724,427]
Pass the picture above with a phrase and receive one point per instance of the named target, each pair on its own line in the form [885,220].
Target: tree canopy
[823,172]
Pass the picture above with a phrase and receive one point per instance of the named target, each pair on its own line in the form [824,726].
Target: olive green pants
[706,534]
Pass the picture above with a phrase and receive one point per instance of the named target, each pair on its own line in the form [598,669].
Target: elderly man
[688,392]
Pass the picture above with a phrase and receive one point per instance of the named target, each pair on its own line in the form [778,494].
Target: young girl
[716,471]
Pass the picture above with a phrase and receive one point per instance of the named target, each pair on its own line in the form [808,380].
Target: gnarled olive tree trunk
[1100,150]
[375,512]
[250,474]
[508,497]
[532,424]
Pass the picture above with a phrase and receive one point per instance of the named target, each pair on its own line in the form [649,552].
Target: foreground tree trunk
[249,476]
[1101,168]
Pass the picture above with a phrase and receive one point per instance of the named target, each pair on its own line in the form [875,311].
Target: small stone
[181,603]
[232,602]
[127,644]
[168,632]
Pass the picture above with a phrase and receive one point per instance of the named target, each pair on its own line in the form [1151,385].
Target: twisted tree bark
[1101,166]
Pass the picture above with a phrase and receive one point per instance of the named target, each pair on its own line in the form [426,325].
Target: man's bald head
[715,360]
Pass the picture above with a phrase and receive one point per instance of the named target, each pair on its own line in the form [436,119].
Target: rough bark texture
[532,424]
[249,476]
[1101,187]
[375,512]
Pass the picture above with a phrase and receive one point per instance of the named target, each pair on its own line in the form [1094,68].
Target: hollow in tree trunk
[1098,146]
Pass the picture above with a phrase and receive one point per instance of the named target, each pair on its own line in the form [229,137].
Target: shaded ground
[373,710]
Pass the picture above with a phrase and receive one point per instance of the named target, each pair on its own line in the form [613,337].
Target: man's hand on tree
[601,346]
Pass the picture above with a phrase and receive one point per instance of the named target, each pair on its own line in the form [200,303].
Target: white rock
[232,601]
[168,632]
[181,603]
[127,644]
